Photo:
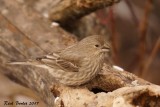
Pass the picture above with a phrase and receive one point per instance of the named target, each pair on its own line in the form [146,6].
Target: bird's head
[94,45]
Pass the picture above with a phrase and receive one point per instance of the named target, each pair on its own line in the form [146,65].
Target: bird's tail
[29,62]
[18,62]
[43,62]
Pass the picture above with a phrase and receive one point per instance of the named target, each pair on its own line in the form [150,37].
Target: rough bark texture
[24,33]
[143,96]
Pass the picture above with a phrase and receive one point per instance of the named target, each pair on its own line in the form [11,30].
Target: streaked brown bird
[77,64]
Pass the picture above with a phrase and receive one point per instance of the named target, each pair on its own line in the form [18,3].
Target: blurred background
[132,26]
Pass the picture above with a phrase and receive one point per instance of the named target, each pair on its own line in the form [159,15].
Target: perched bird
[77,64]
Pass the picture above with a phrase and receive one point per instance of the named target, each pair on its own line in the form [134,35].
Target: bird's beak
[105,49]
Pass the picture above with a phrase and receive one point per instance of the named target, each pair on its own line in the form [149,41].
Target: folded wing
[54,60]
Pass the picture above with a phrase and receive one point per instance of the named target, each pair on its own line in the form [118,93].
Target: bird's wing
[54,60]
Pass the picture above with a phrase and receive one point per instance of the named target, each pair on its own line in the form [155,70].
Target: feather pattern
[76,64]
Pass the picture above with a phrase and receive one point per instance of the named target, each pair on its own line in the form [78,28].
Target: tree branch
[67,11]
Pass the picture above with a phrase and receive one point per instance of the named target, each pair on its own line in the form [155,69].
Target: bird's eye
[96,45]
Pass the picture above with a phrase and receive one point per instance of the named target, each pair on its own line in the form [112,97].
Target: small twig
[151,57]
[133,13]
[143,27]
[114,35]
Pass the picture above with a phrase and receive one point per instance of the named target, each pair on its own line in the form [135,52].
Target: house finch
[77,64]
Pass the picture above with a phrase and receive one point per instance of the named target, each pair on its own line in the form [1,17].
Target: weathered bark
[29,35]
[67,11]
[143,96]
